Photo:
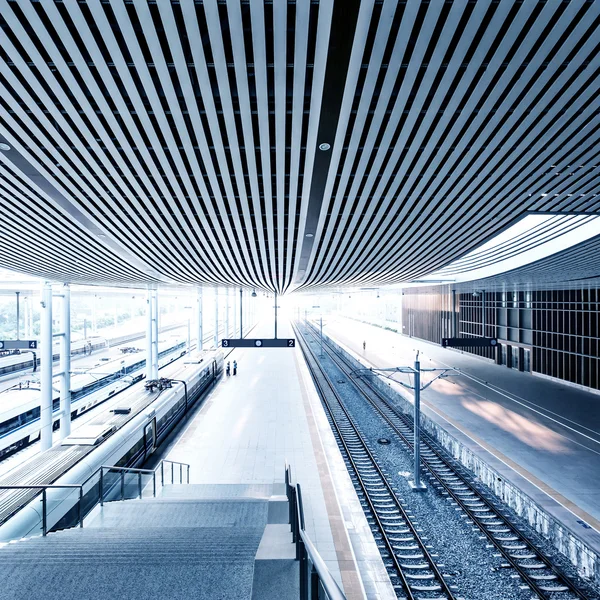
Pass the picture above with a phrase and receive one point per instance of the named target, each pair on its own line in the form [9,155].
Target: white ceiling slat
[324,24]
[260,73]
[240,62]
[300,65]
[212,16]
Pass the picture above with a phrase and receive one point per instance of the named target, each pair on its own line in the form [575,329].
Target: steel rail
[313,365]
[546,594]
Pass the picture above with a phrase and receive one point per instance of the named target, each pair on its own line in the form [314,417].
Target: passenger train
[20,405]
[129,446]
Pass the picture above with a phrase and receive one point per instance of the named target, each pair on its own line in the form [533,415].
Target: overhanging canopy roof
[288,144]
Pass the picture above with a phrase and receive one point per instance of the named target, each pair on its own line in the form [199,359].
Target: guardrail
[316,581]
[100,474]
[173,463]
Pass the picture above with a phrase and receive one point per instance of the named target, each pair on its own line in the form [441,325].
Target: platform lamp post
[416,484]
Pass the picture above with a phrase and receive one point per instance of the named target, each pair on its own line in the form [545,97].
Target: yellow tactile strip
[345,557]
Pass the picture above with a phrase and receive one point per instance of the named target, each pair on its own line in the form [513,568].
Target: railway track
[410,565]
[519,553]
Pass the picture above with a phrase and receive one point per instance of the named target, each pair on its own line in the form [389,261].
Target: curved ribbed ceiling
[288,144]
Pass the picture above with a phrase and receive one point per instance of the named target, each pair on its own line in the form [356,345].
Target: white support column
[65,364]
[149,335]
[235,313]
[216,336]
[94,320]
[155,334]
[46,367]
[226,334]
[200,333]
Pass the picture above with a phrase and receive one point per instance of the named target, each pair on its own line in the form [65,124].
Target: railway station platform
[542,435]
[267,415]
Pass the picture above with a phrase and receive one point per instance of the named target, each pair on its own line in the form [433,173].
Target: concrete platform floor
[269,414]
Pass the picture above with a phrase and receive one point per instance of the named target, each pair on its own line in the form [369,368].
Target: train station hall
[300,299]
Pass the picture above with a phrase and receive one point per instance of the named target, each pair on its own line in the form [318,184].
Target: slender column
[276,320]
[18,294]
[235,313]
[453,324]
[241,314]
[155,334]
[65,364]
[200,333]
[149,335]
[226,335]
[46,368]
[483,315]
[94,323]
[216,336]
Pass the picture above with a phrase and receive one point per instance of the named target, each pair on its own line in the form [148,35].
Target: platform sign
[478,342]
[18,344]
[261,343]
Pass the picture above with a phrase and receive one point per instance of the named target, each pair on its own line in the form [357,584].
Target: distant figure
[364,346]
[235,367]
[228,369]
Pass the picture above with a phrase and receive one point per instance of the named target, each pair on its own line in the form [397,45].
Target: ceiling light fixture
[4,147]
[309,235]
[325,146]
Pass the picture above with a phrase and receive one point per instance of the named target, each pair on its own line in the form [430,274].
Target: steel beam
[65,364]
[46,367]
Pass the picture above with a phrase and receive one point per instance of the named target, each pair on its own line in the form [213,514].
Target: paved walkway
[269,414]
[546,431]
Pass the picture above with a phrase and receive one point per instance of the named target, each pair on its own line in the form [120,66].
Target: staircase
[214,542]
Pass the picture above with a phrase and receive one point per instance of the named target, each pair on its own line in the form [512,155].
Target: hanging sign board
[18,344]
[261,343]
[479,342]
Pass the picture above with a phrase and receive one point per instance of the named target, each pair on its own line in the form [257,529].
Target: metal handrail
[80,486]
[173,463]
[319,575]
[124,470]
[44,487]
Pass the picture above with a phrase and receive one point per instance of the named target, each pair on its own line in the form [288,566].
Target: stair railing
[102,487]
[123,471]
[45,487]
[316,581]
[173,463]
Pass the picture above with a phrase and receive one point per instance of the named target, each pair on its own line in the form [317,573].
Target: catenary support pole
[216,336]
[65,364]
[200,332]
[417,485]
[149,335]
[155,334]
[46,368]
[321,335]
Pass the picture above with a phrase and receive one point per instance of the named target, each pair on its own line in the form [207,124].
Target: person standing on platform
[235,367]
[228,369]
[364,346]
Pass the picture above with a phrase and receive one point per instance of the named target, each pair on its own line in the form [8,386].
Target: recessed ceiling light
[101,235]
[4,147]
[309,235]
[544,194]
[324,146]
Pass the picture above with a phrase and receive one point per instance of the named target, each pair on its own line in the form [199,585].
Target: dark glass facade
[551,332]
